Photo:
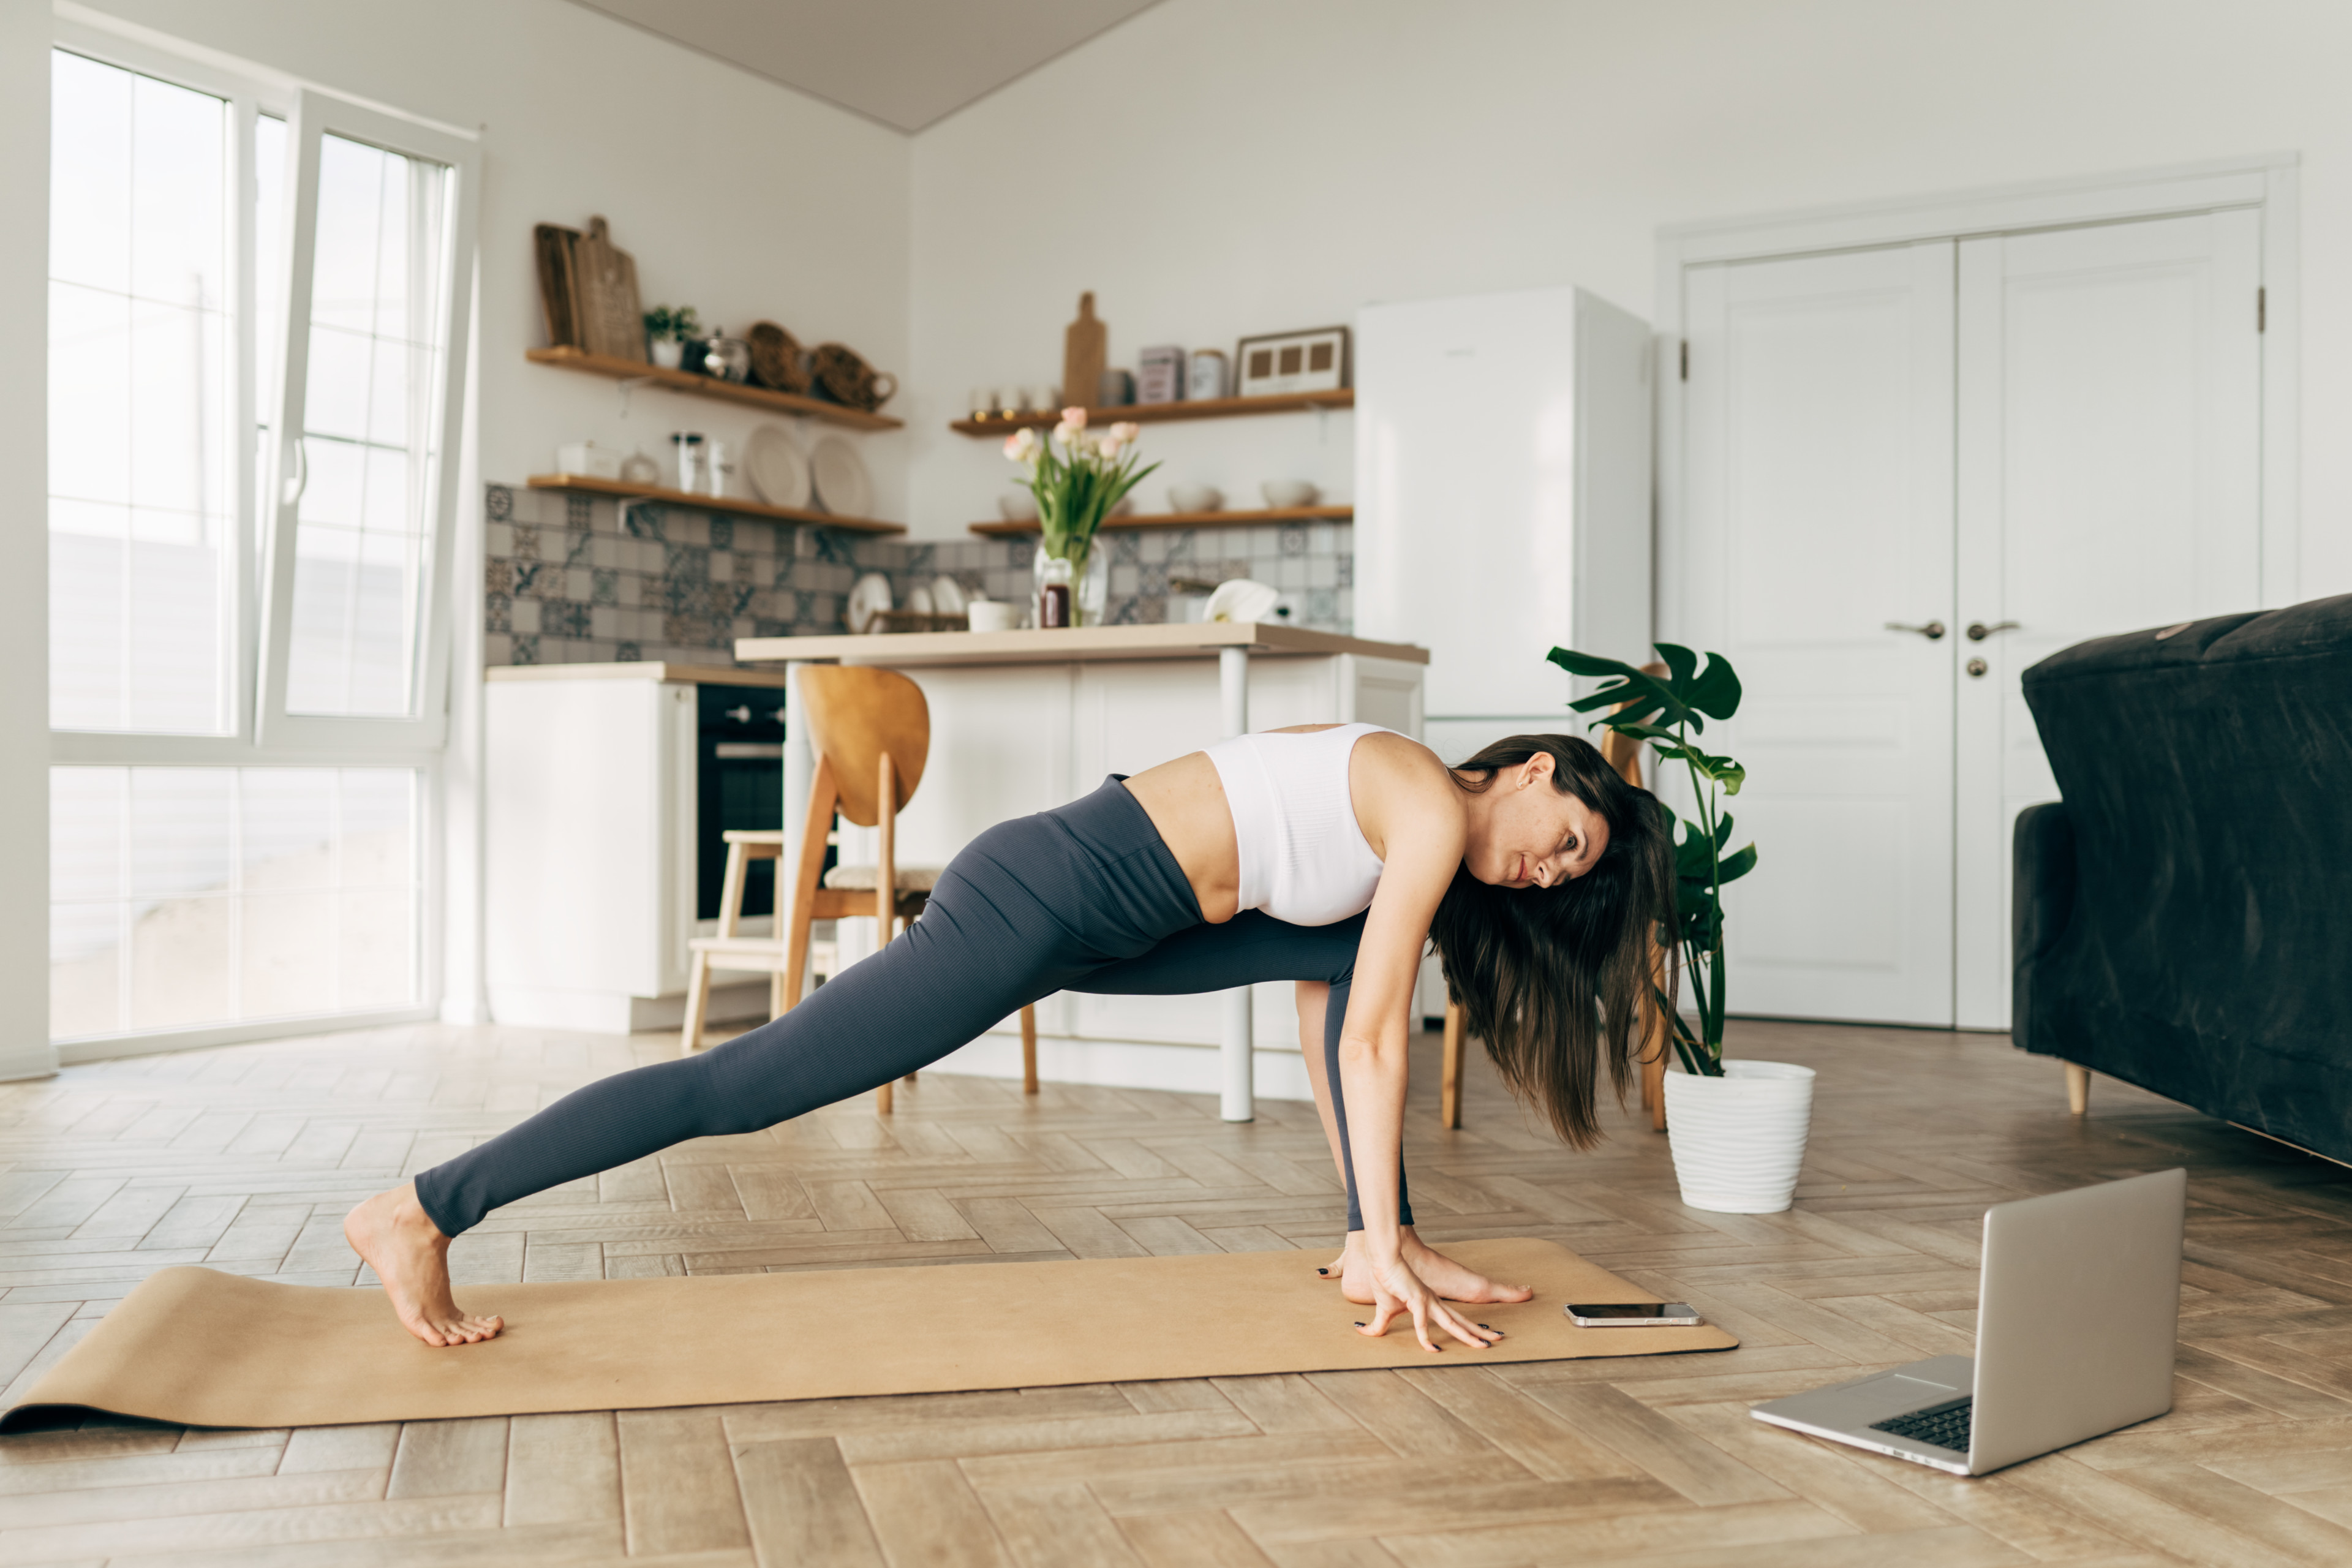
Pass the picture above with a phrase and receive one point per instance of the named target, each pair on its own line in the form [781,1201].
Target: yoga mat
[206,1349]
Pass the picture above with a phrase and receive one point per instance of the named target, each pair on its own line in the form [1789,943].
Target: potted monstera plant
[1738,1128]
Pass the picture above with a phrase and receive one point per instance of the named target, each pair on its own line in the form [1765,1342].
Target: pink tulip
[1075,418]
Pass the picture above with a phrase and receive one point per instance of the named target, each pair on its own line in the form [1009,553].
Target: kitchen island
[1026,721]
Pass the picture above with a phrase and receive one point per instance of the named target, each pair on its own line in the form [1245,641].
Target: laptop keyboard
[1941,1425]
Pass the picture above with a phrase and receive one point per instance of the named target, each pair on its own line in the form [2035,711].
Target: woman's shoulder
[1405,755]
[1395,776]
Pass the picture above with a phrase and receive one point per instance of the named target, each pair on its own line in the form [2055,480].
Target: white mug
[991,616]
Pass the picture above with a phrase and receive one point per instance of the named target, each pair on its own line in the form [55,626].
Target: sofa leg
[2078,1088]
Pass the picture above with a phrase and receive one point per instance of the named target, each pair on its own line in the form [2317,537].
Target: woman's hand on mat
[1396,1289]
[1451,1281]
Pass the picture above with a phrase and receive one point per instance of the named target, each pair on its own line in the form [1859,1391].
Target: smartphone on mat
[1632,1314]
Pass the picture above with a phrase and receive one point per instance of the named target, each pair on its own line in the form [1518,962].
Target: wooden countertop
[1084,644]
[649,669]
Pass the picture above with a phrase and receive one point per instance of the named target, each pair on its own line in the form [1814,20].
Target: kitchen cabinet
[591,780]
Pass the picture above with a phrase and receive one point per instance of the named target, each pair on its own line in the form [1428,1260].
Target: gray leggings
[1084,897]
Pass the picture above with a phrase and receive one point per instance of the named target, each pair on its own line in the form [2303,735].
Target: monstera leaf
[1687,694]
[1666,711]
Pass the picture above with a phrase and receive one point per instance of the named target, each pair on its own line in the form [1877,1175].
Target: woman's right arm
[1420,826]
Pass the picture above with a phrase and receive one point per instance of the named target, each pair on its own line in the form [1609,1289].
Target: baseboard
[618,1013]
[1127,1064]
[72,1053]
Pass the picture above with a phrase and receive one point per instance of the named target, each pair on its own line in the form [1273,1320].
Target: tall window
[246,627]
[142,404]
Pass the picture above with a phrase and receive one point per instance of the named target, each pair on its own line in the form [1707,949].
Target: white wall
[1216,167]
[734,194]
[24,1047]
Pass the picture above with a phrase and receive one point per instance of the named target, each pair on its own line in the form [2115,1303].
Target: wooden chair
[1625,754]
[872,732]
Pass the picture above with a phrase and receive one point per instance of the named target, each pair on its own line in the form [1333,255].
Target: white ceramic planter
[1739,1139]
[668,352]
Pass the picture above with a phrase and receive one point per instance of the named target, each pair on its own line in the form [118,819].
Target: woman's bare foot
[1444,1276]
[411,1256]
[1338,1265]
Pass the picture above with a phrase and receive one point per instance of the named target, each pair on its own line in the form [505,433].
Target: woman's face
[1531,834]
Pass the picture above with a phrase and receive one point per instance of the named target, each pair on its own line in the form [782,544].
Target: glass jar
[1089,581]
[691,474]
[1054,593]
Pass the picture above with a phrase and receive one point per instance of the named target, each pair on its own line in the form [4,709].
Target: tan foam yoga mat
[207,1349]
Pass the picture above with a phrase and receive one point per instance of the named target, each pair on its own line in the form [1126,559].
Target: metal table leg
[1237,1047]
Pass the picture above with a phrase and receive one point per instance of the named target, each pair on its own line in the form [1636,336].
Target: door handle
[1931,631]
[1979,631]
[296,483]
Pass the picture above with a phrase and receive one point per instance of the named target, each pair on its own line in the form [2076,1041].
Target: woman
[1327,854]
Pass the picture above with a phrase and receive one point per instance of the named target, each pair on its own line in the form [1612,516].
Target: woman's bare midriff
[1186,801]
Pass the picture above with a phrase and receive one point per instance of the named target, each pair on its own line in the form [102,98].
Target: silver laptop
[2076,1314]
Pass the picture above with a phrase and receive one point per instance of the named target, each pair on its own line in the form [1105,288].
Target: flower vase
[1089,585]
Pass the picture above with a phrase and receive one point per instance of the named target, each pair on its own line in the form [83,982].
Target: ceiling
[903,62]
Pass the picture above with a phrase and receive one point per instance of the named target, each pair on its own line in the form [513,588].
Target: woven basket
[848,380]
[777,363]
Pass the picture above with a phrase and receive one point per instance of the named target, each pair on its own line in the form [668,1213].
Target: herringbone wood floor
[245,1158]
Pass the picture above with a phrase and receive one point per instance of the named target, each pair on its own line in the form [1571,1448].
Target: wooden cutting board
[1086,350]
[553,245]
[604,300]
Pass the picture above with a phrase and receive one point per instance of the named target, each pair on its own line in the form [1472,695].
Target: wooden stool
[872,732]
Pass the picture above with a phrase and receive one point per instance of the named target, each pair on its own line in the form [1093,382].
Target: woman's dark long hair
[1557,979]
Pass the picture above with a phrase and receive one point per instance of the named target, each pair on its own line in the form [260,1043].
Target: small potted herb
[667,332]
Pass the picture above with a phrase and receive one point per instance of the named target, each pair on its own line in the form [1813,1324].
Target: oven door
[739,775]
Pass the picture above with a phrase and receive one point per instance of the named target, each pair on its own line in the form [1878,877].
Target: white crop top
[1303,857]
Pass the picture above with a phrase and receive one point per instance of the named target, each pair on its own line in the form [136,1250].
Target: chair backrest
[855,713]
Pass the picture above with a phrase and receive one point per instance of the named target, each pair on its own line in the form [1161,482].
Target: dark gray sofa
[2183,917]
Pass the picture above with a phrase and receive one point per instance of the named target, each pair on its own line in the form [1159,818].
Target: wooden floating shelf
[1160,413]
[1189,519]
[711,386]
[586,485]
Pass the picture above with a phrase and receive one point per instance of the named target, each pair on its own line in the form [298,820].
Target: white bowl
[1194,497]
[1017,506]
[1283,494]
[990,615]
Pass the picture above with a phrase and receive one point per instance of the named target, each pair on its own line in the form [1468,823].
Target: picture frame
[1317,360]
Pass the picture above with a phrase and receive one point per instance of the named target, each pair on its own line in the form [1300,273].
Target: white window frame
[316,116]
[264,736]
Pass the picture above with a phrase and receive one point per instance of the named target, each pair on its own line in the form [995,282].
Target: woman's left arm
[1421,829]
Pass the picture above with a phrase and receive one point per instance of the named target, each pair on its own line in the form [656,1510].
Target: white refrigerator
[1503,499]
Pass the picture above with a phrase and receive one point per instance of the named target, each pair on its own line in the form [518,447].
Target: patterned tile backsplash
[571,580]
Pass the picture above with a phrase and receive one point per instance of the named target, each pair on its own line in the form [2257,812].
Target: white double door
[2005,444]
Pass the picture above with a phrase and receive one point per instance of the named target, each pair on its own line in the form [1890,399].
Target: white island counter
[1026,721]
